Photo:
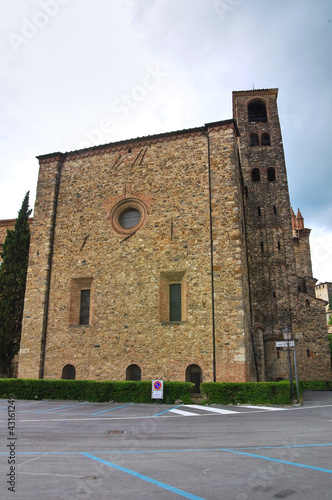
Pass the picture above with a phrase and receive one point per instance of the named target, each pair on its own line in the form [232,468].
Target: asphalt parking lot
[54,450]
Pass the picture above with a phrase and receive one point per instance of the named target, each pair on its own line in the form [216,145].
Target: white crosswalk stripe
[214,410]
[203,410]
[182,412]
[268,408]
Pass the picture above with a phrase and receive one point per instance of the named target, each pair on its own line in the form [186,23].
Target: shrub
[316,385]
[246,393]
[92,390]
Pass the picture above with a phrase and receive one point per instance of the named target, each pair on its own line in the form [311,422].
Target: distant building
[324,292]
[173,256]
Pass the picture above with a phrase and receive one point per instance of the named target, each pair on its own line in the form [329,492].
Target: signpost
[157,389]
[285,343]
[290,343]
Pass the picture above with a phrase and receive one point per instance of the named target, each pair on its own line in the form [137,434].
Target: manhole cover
[115,432]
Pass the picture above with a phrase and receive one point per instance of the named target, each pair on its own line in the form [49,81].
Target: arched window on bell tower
[271,174]
[254,139]
[255,175]
[265,139]
[257,112]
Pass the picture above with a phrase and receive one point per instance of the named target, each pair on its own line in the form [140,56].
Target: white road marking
[183,412]
[269,408]
[209,408]
[44,474]
[31,460]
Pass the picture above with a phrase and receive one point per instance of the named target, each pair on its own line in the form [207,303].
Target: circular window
[129,218]
[128,215]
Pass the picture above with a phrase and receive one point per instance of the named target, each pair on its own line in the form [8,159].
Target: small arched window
[271,174]
[133,372]
[255,175]
[68,372]
[257,112]
[194,375]
[254,140]
[265,139]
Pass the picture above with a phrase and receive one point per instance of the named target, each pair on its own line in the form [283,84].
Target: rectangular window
[85,307]
[173,296]
[81,301]
[175,302]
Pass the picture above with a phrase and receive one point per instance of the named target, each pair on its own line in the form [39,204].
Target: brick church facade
[173,256]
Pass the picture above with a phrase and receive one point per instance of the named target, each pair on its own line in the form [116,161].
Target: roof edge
[175,133]
[273,91]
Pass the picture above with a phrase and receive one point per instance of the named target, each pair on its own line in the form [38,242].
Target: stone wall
[213,217]
[180,189]
[281,284]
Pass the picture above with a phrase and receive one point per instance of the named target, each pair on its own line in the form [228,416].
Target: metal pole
[295,367]
[290,372]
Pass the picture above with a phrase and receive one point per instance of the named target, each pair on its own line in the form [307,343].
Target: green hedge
[91,390]
[140,392]
[316,385]
[277,393]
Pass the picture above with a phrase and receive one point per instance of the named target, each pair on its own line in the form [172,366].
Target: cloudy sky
[77,73]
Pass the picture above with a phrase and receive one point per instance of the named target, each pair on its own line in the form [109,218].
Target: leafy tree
[13,273]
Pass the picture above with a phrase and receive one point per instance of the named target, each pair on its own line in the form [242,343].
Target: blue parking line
[110,409]
[145,478]
[187,450]
[166,411]
[61,407]
[284,446]
[277,460]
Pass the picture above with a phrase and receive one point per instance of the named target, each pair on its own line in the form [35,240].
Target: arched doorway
[133,372]
[68,372]
[194,375]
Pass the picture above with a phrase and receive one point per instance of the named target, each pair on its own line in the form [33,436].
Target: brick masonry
[199,227]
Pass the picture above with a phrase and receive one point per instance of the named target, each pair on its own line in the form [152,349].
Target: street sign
[284,343]
[157,389]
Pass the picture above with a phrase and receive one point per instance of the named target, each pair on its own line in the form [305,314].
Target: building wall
[323,291]
[205,224]
[278,262]
[185,198]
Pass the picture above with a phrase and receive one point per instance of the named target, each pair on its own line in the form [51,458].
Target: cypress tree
[13,272]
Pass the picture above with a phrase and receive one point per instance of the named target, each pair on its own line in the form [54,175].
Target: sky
[78,73]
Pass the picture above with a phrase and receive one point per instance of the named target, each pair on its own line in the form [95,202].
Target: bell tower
[271,257]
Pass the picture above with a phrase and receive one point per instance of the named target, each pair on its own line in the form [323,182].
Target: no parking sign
[157,389]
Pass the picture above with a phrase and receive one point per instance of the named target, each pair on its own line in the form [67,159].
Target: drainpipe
[49,267]
[211,253]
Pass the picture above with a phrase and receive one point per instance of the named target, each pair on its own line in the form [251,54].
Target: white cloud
[61,85]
